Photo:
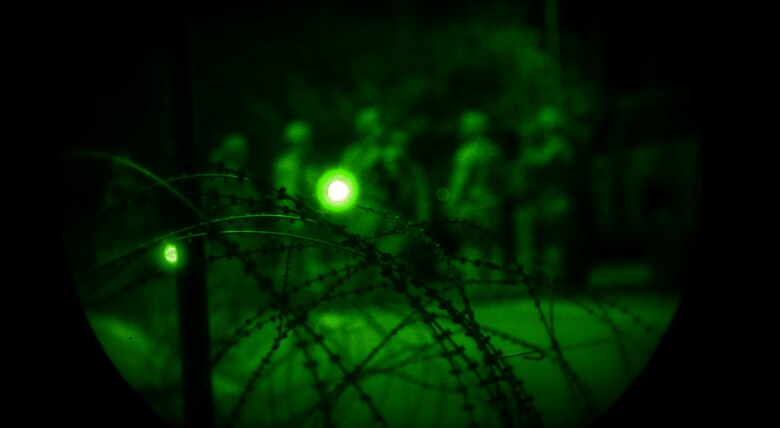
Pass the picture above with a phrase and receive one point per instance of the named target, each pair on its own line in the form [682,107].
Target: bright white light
[171,255]
[338,191]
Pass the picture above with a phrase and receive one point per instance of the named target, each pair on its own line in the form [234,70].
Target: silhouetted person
[540,189]
[363,159]
[476,184]
[232,294]
[407,185]
[404,184]
[232,153]
[293,169]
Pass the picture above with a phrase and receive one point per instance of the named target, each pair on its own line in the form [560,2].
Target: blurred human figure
[365,153]
[232,293]
[293,169]
[233,153]
[476,184]
[539,188]
[363,158]
[476,181]
[407,185]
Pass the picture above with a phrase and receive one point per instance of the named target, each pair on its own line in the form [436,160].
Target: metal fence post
[191,277]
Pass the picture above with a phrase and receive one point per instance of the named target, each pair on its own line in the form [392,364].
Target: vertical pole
[574,230]
[191,277]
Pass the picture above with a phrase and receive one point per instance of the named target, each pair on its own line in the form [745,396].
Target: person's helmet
[234,151]
[473,123]
[368,122]
[550,118]
[297,133]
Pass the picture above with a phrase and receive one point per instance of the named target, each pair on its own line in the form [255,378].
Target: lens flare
[337,190]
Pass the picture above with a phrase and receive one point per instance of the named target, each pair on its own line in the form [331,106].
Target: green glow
[337,190]
[171,254]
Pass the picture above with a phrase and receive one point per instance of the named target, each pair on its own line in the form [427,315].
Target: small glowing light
[442,194]
[171,255]
[338,191]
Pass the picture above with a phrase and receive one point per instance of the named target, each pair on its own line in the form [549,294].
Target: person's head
[473,123]
[535,129]
[550,118]
[298,134]
[233,152]
[368,123]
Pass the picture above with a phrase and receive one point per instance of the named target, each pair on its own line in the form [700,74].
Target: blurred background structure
[568,129]
[611,144]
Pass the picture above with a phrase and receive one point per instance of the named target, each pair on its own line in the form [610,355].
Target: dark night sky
[111,52]
[90,35]
[107,59]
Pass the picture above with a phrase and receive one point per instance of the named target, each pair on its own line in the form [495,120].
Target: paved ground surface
[606,341]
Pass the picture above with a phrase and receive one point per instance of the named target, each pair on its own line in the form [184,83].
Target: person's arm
[461,170]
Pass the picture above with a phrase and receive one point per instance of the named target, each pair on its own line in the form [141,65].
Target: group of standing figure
[523,199]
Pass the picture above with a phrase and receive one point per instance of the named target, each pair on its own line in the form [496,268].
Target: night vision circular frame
[310,324]
[305,321]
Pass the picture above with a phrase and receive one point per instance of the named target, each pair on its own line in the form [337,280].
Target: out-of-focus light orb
[442,194]
[171,254]
[337,190]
